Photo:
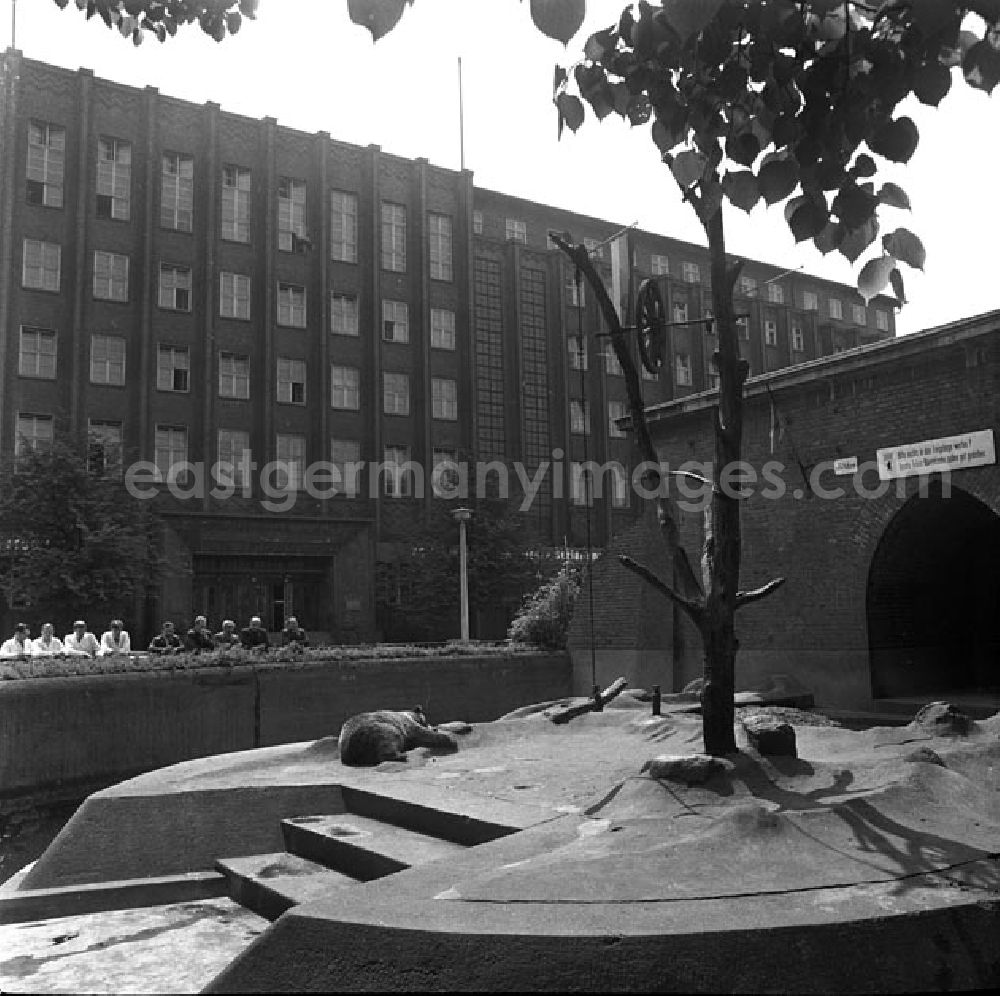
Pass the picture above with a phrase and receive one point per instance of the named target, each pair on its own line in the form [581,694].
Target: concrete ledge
[41,904]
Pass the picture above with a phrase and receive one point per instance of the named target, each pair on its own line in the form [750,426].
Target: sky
[304,63]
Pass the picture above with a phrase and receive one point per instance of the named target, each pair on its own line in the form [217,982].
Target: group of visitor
[200,638]
[79,643]
[115,640]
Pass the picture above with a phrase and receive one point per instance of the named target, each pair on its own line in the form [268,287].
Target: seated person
[293,634]
[254,636]
[116,640]
[166,641]
[81,641]
[227,637]
[19,645]
[199,637]
[47,645]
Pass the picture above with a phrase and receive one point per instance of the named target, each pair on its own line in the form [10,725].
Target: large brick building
[180,284]
[892,581]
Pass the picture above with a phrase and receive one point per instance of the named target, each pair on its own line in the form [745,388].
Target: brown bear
[369,738]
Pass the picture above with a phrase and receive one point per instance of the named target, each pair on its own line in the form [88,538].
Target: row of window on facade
[342,476]
[46,178]
[41,270]
[38,358]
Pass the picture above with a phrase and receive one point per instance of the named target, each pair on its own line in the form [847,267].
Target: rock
[926,755]
[456,726]
[691,769]
[769,736]
[942,719]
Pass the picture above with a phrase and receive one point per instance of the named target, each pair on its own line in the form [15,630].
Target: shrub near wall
[68,735]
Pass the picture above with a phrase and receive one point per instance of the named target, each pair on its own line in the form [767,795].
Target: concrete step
[269,884]
[362,847]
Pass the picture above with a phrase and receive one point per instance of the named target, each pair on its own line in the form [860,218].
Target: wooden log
[565,713]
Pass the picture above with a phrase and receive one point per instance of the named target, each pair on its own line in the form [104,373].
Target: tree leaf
[743,148]
[896,279]
[874,276]
[857,240]
[904,245]
[896,141]
[853,205]
[893,196]
[829,239]
[863,166]
[571,111]
[931,82]
[559,19]
[808,219]
[378,16]
[741,189]
[689,17]
[777,179]
[981,66]
[688,167]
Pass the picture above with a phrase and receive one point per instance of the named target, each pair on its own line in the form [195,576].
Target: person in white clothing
[19,645]
[47,645]
[81,640]
[115,640]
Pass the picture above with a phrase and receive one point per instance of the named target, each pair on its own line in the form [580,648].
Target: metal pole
[463,569]
[461,118]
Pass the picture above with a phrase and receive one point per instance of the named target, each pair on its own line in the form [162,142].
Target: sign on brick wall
[971,449]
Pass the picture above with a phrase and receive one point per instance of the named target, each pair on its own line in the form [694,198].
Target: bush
[545,616]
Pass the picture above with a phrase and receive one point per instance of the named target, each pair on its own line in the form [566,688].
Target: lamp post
[462,516]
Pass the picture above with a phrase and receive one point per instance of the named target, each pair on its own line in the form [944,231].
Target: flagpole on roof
[461,118]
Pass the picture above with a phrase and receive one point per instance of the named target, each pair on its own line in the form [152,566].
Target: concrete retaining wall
[69,735]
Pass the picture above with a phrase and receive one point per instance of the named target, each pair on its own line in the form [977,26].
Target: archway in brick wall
[933,599]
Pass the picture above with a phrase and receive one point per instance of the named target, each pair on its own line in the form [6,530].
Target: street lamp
[462,516]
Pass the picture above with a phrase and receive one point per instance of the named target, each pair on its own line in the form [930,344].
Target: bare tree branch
[694,609]
[756,594]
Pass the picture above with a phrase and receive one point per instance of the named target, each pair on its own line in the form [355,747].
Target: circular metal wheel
[650,317]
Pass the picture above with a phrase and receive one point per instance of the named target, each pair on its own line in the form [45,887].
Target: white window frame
[659,265]
[234,375]
[579,417]
[516,230]
[881,320]
[291,302]
[748,286]
[345,455]
[442,328]
[836,308]
[170,448]
[477,222]
[290,455]
[109,435]
[439,232]
[798,338]
[291,378]
[344,314]
[173,368]
[345,387]
[682,369]
[395,393]
[114,177]
[177,191]
[33,432]
[619,486]
[576,295]
[680,311]
[691,273]
[46,162]
[616,410]
[395,321]
[448,478]
[743,328]
[860,314]
[110,276]
[393,237]
[444,398]
[291,212]
[175,287]
[343,226]
[810,301]
[581,484]
[37,355]
[612,365]
[770,332]
[397,479]
[107,359]
[576,346]
[594,247]
[232,450]
[234,295]
[41,265]
[235,203]
[775,293]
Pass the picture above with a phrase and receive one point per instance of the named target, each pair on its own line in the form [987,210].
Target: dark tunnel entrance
[933,599]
